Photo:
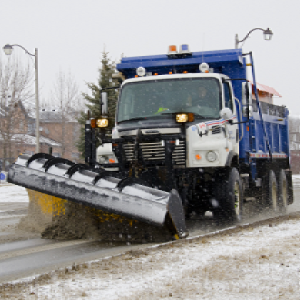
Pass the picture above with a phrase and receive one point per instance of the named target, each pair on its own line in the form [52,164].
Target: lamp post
[266,32]
[8,51]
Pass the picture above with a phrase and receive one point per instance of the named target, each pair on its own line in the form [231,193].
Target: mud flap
[290,187]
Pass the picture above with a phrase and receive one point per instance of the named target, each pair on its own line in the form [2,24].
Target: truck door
[232,133]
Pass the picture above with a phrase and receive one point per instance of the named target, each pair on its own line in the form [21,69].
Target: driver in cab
[201,102]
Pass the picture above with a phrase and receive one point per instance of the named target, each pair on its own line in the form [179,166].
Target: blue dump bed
[269,123]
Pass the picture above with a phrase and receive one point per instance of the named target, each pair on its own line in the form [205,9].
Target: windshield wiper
[201,117]
[133,119]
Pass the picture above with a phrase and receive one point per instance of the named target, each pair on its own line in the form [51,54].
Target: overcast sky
[70,35]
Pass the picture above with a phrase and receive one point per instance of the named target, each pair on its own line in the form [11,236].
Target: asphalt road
[35,256]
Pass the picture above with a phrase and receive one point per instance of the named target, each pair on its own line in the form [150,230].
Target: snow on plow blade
[61,178]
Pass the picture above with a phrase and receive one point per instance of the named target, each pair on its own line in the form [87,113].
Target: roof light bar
[172,49]
[184,49]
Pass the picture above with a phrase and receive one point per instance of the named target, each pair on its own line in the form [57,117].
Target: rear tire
[229,195]
[282,192]
[272,192]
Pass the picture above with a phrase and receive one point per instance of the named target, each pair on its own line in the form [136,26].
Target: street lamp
[8,51]
[266,32]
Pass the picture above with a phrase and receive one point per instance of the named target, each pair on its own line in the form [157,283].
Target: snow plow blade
[61,178]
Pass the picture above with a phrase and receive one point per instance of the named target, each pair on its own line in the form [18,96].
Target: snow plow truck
[189,137]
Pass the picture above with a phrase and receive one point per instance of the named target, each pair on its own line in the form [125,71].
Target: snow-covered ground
[13,193]
[296,180]
[252,263]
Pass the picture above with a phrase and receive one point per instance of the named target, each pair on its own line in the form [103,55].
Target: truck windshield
[158,98]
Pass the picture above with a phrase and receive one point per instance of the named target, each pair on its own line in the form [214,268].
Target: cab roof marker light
[141,71]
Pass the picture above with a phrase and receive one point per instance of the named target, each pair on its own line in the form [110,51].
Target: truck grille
[154,151]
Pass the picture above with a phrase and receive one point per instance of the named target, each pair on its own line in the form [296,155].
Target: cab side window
[227,96]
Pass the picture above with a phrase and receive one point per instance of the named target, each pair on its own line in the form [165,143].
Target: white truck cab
[146,105]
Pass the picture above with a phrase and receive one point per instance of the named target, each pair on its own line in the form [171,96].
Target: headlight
[103,159]
[107,159]
[183,118]
[211,156]
[102,123]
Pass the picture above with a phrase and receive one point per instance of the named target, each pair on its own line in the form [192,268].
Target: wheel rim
[274,196]
[237,198]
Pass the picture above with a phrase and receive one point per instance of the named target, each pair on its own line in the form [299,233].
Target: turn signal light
[93,123]
[191,117]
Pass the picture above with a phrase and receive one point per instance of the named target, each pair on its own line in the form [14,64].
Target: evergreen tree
[93,101]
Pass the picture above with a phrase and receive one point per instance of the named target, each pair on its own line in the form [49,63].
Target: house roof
[30,140]
[267,89]
[5,109]
[54,116]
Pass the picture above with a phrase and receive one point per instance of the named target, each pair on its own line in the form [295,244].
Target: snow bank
[296,180]
[13,193]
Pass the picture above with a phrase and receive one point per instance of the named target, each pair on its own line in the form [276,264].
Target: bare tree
[69,102]
[16,83]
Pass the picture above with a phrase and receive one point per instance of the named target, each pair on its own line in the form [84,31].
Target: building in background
[59,133]
[265,93]
[294,135]
[62,128]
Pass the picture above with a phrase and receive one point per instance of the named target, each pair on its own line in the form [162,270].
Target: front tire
[229,195]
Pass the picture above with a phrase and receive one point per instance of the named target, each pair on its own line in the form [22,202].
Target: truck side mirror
[104,103]
[247,99]
[226,113]
[247,111]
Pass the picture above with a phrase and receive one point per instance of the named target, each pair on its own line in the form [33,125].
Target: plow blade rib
[88,188]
